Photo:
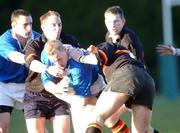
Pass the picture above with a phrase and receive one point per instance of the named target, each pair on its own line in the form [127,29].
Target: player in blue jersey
[81,78]
[13,71]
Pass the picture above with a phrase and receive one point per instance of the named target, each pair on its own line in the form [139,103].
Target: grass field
[166,117]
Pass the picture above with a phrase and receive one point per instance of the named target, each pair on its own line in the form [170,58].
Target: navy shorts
[4,108]
[44,104]
[134,81]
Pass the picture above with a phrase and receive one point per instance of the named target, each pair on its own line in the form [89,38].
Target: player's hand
[64,86]
[164,49]
[92,49]
[56,71]
[68,91]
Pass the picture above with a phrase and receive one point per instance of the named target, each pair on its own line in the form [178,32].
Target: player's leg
[80,113]
[35,109]
[113,119]
[141,119]
[5,113]
[115,123]
[10,93]
[105,108]
[36,125]
[142,105]
[59,116]
[91,100]
[76,119]
[119,124]
[60,124]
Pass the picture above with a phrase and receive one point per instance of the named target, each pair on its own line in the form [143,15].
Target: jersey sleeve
[75,53]
[33,52]
[7,45]
[105,52]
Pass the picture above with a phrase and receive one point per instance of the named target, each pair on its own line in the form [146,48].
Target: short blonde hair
[53,45]
[44,17]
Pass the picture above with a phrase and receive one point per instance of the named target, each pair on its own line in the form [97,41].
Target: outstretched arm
[81,55]
[167,50]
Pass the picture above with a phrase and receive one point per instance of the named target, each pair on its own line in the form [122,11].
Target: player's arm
[81,55]
[16,57]
[33,61]
[38,66]
[164,49]
[52,87]
[9,52]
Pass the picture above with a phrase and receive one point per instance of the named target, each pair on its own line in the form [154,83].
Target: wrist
[81,59]
[173,50]
[177,51]
[46,69]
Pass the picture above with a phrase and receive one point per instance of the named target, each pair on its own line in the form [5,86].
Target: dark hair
[115,10]
[16,13]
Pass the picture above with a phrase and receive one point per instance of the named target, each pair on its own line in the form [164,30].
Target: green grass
[165,117]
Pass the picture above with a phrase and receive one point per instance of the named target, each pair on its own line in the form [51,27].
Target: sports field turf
[166,117]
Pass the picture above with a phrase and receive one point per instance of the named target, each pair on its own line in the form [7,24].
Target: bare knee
[4,129]
[4,123]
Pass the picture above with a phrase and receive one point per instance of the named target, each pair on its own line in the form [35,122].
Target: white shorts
[11,94]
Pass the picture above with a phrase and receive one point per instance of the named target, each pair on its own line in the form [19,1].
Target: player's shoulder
[6,35]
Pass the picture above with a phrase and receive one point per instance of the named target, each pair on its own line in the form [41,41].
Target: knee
[4,129]
[4,122]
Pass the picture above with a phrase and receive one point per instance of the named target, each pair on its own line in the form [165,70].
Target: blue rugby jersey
[11,71]
[81,76]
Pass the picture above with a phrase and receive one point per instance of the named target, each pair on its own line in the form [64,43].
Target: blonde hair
[53,45]
[44,17]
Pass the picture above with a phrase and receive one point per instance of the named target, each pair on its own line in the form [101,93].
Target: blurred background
[85,20]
